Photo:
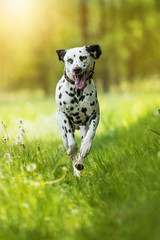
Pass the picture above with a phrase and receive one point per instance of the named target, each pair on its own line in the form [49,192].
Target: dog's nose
[77,70]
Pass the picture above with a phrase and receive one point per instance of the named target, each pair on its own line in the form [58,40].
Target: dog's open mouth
[80,80]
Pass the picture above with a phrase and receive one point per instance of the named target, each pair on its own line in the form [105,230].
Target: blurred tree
[103,31]
[84,20]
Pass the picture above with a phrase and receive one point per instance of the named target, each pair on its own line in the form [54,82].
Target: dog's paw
[79,166]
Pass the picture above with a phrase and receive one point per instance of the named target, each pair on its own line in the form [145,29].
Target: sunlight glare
[17,6]
[18,15]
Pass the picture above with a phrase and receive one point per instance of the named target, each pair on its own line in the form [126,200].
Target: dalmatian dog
[76,98]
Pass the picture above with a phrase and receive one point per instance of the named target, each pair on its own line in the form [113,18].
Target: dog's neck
[67,78]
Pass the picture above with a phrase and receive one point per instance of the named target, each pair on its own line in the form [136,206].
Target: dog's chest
[77,104]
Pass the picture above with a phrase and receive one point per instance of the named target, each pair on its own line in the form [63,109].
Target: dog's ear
[61,54]
[94,50]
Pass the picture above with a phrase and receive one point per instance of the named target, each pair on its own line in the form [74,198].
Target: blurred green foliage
[31,31]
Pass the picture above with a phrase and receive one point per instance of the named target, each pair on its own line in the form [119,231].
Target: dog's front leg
[67,133]
[87,141]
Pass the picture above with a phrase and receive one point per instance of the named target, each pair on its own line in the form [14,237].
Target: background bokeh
[32,30]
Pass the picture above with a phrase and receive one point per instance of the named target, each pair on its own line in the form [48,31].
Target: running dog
[76,98]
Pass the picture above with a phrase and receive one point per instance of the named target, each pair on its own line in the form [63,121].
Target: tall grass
[118,194]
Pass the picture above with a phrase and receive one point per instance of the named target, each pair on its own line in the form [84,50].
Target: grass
[118,195]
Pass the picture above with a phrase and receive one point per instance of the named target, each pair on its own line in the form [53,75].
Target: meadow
[118,194]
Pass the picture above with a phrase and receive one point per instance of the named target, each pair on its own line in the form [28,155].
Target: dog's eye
[70,60]
[82,58]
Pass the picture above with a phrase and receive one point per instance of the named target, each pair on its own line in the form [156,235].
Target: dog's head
[77,62]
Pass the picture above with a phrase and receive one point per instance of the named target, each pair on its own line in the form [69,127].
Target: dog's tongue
[80,80]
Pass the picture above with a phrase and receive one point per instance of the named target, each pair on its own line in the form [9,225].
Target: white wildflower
[3,123]
[25,205]
[31,167]
[20,121]
[22,132]
[7,155]
[4,139]
[8,158]
[18,139]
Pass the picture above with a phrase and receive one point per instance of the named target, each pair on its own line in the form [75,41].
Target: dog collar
[67,78]
[91,71]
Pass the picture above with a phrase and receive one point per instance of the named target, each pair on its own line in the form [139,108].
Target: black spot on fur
[78,122]
[60,87]
[60,104]
[66,130]
[78,92]
[76,100]
[92,104]
[64,102]
[72,101]
[93,117]
[60,95]
[65,121]
[70,60]
[84,110]
[71,94]
[81,98]
[69,130]
[72,108]
[75,114]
